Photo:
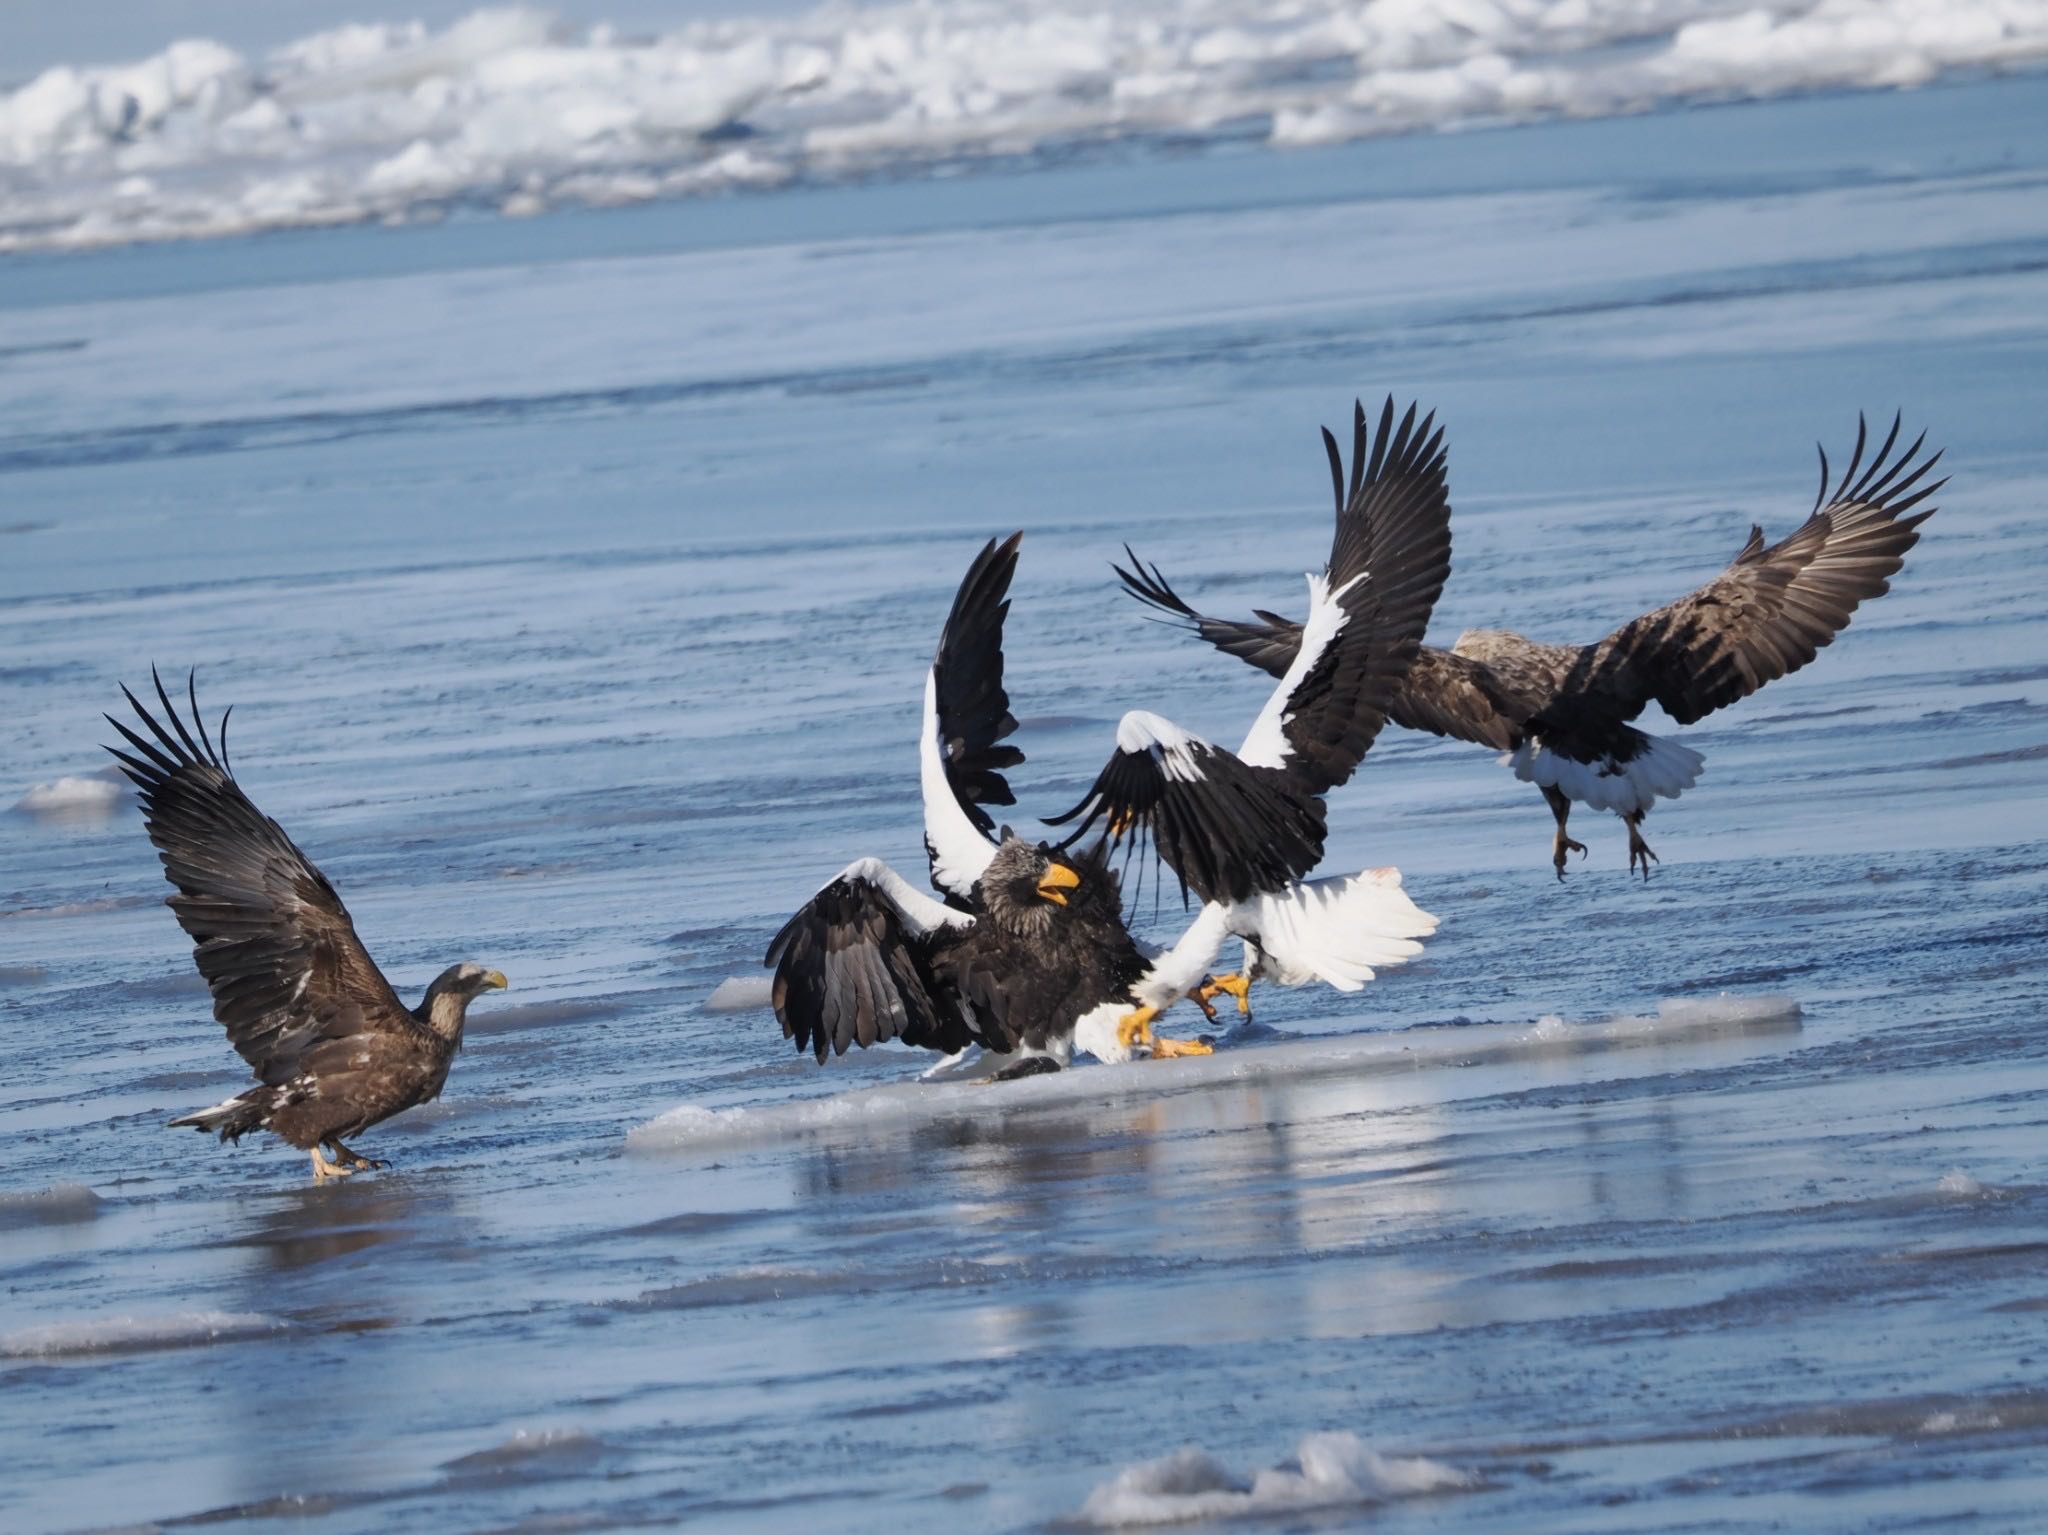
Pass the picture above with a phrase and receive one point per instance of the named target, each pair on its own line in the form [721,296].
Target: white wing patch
[1140,733]
[1267,744]
[918,911]
[959,851]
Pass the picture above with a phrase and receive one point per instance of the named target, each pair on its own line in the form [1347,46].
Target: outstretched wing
[1269,644]
[1233,825]
[853,968]
[1388,564]
[1443,693]
[961,755]
[1773,609]
[273,940]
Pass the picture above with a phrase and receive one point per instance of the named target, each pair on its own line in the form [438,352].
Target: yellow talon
[1164,1049]
[1135,1028]
[1238,986]
[1121,822]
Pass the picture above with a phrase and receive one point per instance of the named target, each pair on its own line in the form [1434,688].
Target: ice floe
[59,1204]
[73,798]
[898,1104]
[740,994]
[130,1334]
[511,110]
[1328,1471]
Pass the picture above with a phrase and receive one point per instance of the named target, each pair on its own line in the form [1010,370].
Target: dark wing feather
[273,940]
[1450,695]
[1394,538]
[849,971]
[1774,608]
[1269,644]
[974,710]
[1226,828]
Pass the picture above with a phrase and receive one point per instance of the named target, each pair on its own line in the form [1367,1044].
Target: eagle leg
[324,1169]
[354,1159]
[1164,1049]
[1639,850]
[1238,986]
[1561,807]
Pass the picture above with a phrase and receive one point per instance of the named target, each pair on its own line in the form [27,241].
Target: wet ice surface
[574,600]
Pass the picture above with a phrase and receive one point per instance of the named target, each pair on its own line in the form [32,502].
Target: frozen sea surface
[573,581]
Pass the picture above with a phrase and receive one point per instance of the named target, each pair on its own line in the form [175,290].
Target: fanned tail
[1340,931]
[1656,769]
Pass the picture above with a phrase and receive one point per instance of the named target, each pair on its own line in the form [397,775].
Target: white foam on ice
[740,994]
[1958,1184]
[69,797]
[694,1127]
[511,110]
[1329,1470]
[127,1334]
[59,1204]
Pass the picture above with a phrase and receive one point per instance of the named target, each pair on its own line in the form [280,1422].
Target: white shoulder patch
[1141,733]
[959,851]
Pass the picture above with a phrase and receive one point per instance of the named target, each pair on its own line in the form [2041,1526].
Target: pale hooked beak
[495,981]
[1057,880]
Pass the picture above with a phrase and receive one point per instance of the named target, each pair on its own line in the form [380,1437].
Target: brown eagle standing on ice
[1561,712]
[303,1003]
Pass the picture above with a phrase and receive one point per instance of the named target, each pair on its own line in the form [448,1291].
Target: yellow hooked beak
[1058,879]
[495,981]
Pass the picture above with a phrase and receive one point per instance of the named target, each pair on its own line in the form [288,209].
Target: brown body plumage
[334,1049]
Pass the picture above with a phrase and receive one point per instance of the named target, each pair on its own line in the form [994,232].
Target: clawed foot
[1164,1049]
[1639,854]
[1238,986]
[348,1160]
[324,1169]
[1559,846]
[1134,1029]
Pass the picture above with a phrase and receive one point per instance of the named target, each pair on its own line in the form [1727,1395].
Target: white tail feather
[1661,770]
[1338,931]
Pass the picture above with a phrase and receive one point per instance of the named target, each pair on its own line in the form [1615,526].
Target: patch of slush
[134,1334]
[1958,1184]
[900,1104]
[1329,1470]
[512,110]
[58,1205]
[69,798]
[531,1447]
[740,994]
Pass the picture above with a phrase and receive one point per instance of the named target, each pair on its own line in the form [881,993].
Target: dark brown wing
[1450,695]
[850,971]
[1393,541]
[271,937]
[1270,644]
[1773,609]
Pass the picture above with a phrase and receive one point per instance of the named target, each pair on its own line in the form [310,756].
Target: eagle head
[1026,885]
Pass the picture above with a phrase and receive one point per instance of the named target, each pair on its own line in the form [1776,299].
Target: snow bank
[896,1105]
[1329,1470]
[127,1334]
[510,110]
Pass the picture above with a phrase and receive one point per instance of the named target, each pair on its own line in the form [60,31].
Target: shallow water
[573,581]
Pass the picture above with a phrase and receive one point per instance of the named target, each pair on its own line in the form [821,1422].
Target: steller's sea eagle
[1561,712]
[1242,829]
[1027,955]
[304,1005]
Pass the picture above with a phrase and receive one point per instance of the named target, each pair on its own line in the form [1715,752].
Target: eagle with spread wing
[1026,953]
[334,1049]
[1561,713]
